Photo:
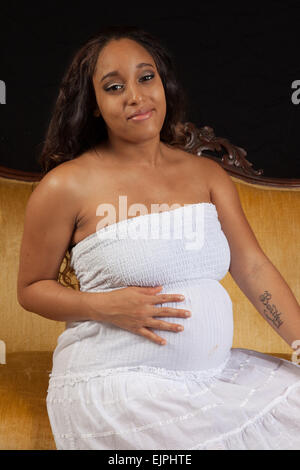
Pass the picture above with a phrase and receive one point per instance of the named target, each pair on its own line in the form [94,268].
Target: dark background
[237,63]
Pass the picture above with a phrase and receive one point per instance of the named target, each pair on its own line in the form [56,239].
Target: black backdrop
[238,64]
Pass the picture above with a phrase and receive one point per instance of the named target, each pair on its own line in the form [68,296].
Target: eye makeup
[145,78]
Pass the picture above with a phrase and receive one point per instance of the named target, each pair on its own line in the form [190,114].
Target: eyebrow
[115,72]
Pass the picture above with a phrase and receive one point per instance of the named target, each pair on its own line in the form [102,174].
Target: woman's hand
[133,309]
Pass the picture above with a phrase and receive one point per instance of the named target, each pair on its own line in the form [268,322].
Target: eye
[115,86]
[112,88]
[148,77]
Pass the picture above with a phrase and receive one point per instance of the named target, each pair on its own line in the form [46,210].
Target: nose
[134,93]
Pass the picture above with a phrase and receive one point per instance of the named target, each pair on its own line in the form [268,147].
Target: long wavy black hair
[73,128]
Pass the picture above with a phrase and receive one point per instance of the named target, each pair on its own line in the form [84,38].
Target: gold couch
[274,215]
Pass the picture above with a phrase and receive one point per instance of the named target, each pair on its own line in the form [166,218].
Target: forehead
[122,53]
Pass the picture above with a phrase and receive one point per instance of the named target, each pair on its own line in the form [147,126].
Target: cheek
[160,99]
[160,105]
[111,111]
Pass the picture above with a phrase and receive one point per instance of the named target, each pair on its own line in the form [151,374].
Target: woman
[114,146]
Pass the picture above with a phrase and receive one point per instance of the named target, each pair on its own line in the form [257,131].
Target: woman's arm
[271,296]
[50,219]
[52,300]
[251,269]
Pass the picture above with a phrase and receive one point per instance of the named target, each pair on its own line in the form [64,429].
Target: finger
[161,298]
[150,290]
[162,325]
[150,335]
[172,312]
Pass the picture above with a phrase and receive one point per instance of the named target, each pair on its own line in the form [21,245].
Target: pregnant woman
[145,224]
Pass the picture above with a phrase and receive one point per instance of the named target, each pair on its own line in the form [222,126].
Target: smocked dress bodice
[185,251]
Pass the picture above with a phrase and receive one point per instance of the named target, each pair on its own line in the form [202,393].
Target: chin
[143,134]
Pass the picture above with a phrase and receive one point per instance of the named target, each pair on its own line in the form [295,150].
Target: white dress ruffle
[252,404]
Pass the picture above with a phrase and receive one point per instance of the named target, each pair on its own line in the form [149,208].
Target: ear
[96,113]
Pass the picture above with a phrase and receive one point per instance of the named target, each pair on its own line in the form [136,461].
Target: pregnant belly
[204,343]
[208,334]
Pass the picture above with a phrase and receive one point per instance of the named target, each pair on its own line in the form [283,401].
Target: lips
[141,114]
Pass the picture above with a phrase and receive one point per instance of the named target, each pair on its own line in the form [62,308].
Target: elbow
[21,298]
[21,302]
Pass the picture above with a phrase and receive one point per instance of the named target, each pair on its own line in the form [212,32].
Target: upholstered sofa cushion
[24,422]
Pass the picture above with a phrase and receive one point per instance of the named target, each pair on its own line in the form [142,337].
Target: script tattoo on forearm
[270,309]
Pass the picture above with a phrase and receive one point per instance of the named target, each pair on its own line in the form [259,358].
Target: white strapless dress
[112,389]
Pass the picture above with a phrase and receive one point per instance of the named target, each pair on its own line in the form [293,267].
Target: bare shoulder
[62,181]
[58,193]
[64,174]
[221,185]
[208,165]
[215,175]
[186,158]
[204,167]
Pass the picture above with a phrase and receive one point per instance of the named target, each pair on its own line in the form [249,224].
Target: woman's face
[134,86]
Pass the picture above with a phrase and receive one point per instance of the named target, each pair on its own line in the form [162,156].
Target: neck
[149,154]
